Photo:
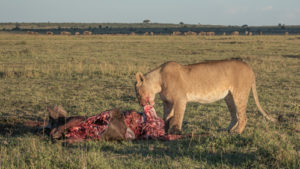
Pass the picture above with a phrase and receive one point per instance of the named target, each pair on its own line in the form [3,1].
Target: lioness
[204,82]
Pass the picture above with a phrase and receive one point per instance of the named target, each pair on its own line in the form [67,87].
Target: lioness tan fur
[204,82]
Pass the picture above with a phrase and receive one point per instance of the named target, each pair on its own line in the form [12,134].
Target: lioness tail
[258,105]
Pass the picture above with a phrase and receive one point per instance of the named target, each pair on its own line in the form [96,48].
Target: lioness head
[144,90]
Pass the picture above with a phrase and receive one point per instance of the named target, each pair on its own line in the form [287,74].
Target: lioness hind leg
[241,101]
[233,112]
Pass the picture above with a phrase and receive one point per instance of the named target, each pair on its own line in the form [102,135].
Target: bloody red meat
[146,125]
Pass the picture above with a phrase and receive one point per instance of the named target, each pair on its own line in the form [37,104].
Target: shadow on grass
[183,148]
[292,56]
[12,126]
[2,75]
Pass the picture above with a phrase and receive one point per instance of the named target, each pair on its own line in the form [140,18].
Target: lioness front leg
[175,123]
[168,114]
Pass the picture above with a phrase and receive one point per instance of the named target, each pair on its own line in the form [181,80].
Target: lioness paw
[174,130]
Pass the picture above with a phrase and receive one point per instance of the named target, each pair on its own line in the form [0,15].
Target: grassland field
[90,74]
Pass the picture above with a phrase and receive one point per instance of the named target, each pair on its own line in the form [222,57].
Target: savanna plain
[90,74]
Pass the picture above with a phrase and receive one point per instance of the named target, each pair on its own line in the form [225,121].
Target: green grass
[90,74]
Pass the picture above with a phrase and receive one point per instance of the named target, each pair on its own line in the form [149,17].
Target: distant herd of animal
[177,33]
[61,33]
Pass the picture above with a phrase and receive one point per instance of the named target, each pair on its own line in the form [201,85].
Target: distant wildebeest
[119,34]
[235,33]
[202,33]
[65,33]
[176,33]
[87,33]
[210,33]
[49,33]
[32,33]
[190,33]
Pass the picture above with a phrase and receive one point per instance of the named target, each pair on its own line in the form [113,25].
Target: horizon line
[145,23]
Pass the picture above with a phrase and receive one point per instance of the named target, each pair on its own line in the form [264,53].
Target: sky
[211,12]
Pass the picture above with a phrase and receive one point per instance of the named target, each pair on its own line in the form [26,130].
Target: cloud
[233,10]
[267,8]
[236,10]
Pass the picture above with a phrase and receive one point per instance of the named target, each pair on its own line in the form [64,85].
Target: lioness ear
[139,78]
[52,113]
[56,112]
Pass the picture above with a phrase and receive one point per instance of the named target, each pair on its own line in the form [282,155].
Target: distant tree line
[163,30]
